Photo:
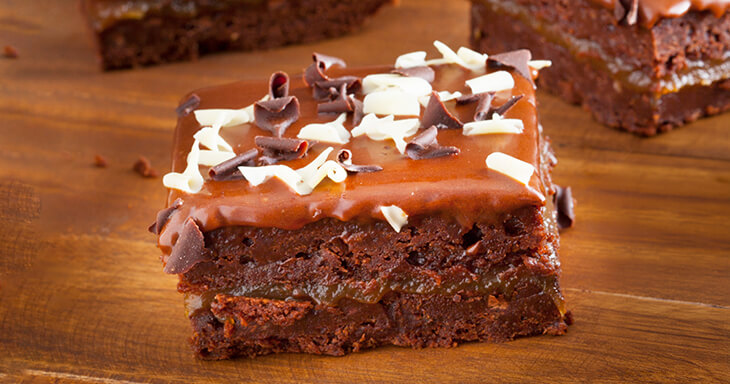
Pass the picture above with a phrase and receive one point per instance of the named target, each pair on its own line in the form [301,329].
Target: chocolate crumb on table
[149,32]
[10,52]
[644,66]
[100,161]
[406,217]
[144,168]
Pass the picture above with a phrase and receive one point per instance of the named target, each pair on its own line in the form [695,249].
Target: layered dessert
[644,66]
[345,209]
[131,33]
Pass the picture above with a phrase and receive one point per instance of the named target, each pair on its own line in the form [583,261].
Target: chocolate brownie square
[351,208]
[149,32]
[644,66]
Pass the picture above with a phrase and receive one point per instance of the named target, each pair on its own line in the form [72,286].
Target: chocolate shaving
[506,106]
[163,217]
[228,170]
[328,61]
[100,161]
[564,204]
[437,114]
[280,149]
[189,105]
[619,11]
[315,72]
[278,85]
[426,146]
[188,251]
[10,52]
[329,89]
[424,72]
[514,59]
[342,104]
[344,158]
[276,115]
[484,107]
[468,99]
[359,112]
[144,168]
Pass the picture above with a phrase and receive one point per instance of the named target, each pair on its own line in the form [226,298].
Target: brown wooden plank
[83,299]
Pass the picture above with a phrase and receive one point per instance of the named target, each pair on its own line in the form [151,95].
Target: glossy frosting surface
[459,187]
[650,11]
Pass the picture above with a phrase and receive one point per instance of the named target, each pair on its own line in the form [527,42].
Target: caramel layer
[458,187]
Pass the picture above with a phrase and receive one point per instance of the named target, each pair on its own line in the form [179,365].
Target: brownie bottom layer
[242,326]
[580,82]
[159,39]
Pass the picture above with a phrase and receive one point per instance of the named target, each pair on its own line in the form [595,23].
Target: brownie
[149,32]
[351,208]
[643,66]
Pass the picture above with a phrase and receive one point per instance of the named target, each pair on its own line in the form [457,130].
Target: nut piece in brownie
[350,208]
[149,32]
[644,66]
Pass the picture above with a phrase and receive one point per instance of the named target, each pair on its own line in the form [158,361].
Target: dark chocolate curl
[228,170]
[278,85]
[564,205]
[188,251]
[502,109]
[468,99]
[426,146]
[276,115]
[344,159]
[280,149]
[328,61]
[315,72]
[514,59]
[437,114]
[484,106]
[358,113]
[190,104]
[322,89]
[424,72]
[342,104]
[163,217]
[619,11]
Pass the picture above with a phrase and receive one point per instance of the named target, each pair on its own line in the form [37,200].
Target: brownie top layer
[450,178]
[649,12]
[104,13]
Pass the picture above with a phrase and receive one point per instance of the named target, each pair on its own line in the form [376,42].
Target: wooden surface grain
[646,270]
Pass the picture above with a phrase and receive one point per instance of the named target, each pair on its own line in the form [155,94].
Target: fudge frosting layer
[459,187]
[650,11]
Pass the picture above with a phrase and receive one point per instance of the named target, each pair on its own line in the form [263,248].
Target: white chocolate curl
[387,128]
[302,181]
[332,132]
[492,82]
[391,102]
[410,60]
[539,64]
[190,181]
[464,57]
[395,216]
[497,125]
[509,166]
[384,81]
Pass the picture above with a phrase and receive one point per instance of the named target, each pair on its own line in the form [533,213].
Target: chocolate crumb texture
[144,168]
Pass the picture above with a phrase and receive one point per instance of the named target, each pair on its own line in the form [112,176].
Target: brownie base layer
[241,326]
[161,37]
[583,81]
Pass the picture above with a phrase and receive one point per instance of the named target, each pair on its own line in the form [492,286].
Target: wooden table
[83,299]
